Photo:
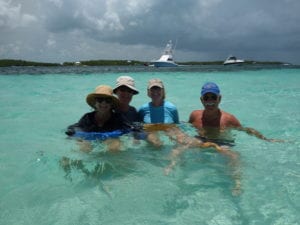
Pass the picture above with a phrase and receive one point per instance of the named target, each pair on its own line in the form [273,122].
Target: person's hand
[274,140]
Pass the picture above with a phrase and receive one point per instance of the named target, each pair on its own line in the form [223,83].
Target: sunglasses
[126,89]
[210,97]
[155,88]
[105,99]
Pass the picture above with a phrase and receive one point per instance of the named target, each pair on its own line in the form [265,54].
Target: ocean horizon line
[117,62]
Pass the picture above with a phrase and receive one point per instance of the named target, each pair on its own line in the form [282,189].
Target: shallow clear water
[130,187]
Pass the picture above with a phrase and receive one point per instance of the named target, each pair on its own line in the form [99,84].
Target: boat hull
[232,63]
[164,64]
[232,60]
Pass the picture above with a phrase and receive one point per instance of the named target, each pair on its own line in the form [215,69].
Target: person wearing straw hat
[103,118]
[125,89]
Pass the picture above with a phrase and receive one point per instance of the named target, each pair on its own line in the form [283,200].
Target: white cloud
[57,3]
[209,3]
[138,7]
[114,28]
[110,21]
[9,49]
[12,17]
[51,42]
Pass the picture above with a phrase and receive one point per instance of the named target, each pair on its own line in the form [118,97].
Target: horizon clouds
[203,30]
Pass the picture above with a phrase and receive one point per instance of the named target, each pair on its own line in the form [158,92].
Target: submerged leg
[113,144]
[67,164]
[175,153]
[84,145]
[184,142]
[153,138]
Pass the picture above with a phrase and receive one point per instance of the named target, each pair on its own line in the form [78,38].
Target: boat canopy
[232,58]
[165,58]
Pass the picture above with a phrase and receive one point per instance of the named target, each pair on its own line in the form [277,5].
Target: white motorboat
[166,60]
[232,60]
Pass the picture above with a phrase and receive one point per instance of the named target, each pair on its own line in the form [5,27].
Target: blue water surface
[130,187]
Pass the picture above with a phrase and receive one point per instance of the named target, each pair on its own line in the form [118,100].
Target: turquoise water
[130,187]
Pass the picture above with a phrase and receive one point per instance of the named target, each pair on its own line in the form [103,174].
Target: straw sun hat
[102,91]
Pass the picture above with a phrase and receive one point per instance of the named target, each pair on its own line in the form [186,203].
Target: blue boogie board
[99,135]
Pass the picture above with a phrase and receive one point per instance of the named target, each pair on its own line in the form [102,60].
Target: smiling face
[103,104]
[124,95]
[211,101]
[157,95]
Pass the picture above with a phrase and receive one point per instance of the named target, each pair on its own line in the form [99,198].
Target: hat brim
[91,99]
[129,86]
[155,85]
[210,91]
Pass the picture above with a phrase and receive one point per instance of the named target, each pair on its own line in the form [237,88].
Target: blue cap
[210,87]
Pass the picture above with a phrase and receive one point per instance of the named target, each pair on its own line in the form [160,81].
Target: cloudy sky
[204,30]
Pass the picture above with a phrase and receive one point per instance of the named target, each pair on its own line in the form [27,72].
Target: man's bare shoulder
[226,114]
[230,119]
[197,112]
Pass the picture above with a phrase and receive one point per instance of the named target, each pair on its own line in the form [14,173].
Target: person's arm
[235,123]
[79,126]
[196,118]
[191,118]
[253,132]
[176,116]
[143,110]
[136,115]
[70,131]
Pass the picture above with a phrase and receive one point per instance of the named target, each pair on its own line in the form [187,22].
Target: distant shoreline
[12,62]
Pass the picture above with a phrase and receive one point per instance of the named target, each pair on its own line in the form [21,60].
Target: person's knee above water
[158,110]
[125,89]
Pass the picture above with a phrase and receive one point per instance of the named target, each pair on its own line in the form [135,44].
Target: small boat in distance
[166,60]
[232,60]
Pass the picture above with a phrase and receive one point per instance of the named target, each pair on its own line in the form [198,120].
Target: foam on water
[130,187]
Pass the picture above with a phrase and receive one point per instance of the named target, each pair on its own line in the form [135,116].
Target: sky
[201,30]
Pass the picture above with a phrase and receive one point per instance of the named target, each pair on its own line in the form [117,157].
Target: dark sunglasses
[105,99]
[126,89]
[155,88]
[210,97]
